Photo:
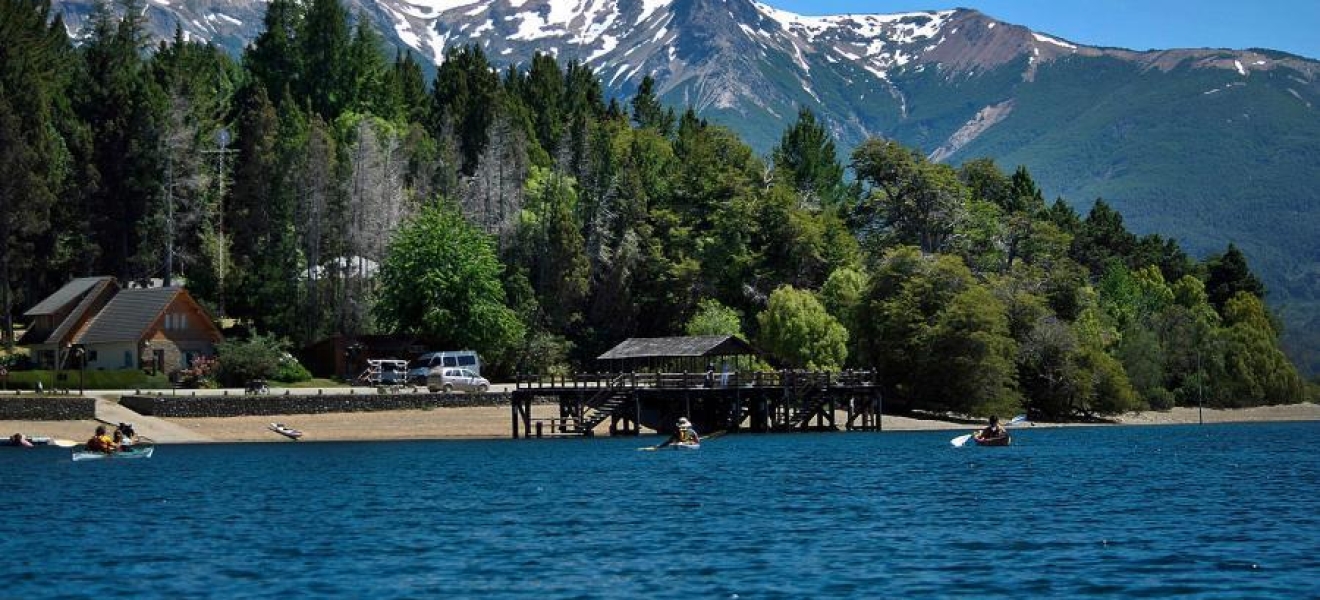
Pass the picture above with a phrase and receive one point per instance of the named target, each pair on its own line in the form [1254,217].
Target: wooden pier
[758,402]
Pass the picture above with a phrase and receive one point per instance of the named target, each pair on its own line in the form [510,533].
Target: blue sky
[1288,25]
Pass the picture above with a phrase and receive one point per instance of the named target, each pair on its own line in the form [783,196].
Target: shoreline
[495,422]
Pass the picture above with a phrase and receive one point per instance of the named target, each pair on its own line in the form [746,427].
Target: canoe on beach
[286,431]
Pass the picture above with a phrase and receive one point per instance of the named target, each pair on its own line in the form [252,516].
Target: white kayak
[673,446]
[134,452]
[286,431]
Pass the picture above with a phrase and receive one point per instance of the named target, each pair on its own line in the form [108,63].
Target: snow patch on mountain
[1049,40]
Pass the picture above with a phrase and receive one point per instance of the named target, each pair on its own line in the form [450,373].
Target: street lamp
[81,352]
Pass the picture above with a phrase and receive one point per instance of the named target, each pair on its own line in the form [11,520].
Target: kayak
[285,431]
[135,452]
[1003,441]
[673,446]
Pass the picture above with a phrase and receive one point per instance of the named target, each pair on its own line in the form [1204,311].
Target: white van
[420,367]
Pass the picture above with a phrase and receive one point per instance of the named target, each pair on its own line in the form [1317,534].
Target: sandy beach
[496,422]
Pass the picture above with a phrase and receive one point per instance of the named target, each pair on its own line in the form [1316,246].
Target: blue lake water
[1226,511]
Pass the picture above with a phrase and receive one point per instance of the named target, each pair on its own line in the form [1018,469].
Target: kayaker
[684,433]
[101,442]
[20,440]
[992,432]
[120,441]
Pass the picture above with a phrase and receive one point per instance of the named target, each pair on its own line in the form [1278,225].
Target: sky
[1288,25]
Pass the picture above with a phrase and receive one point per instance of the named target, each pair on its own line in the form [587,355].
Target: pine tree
[647,112]
[122,105]
[273,58]
[323,48]
[807,160]
[1228,275]
[36,163]
[463,101]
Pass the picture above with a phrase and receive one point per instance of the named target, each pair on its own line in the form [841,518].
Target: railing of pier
[686,380]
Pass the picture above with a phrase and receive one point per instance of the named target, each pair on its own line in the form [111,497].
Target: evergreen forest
[320,184]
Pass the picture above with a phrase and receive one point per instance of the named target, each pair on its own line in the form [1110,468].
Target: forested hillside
[318,186]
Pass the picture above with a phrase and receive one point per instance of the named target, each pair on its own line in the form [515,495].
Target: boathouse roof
[690,346]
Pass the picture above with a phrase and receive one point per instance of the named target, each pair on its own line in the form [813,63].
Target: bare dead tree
[494,195]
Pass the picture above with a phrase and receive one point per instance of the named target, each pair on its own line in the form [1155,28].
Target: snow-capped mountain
[735,60]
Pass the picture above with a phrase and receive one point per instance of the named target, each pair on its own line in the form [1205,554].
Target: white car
[448,379]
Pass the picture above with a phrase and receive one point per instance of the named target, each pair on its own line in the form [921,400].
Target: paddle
[63,443]
[962,440]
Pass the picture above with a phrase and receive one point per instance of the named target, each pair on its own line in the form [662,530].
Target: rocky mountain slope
[1209,145]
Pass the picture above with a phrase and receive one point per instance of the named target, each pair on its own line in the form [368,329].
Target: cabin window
[91,356]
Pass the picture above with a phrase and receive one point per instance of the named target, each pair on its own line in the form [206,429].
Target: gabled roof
[128,316]
[62,297]
[80,312]
[676,347]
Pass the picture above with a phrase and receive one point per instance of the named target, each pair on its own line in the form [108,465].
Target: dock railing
[687,380]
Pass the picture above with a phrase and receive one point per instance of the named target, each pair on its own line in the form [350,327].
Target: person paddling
[100,442]
[684,433]
[993,433]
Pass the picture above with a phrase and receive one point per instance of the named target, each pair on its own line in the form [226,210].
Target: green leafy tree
[843,295]
[798,330]
[1254,369]
[713,318]
[551,248]
[967,363]
[910,201]
[440,278]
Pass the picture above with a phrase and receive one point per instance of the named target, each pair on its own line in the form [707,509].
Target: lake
[1216,511]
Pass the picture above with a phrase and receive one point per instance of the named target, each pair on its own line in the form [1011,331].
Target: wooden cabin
[108,327]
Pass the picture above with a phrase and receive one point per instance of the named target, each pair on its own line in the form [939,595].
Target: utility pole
[222,145]
[169,219]
[1200,384]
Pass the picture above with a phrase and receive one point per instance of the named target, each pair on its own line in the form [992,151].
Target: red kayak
[998,441]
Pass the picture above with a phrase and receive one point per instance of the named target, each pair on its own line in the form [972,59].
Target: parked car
[420,368]
[448,379]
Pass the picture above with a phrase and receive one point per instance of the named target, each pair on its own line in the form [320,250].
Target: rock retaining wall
[237,406]
[47,408]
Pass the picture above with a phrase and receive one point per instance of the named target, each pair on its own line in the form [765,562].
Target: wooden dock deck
[759,402]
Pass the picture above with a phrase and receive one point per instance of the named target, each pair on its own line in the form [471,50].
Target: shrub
[258,357]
